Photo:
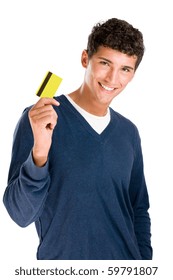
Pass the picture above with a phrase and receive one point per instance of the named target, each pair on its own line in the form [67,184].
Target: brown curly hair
[118,35]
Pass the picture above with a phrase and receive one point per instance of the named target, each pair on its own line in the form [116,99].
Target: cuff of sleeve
[37,173]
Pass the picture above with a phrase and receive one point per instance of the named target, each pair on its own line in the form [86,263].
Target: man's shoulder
[122,120]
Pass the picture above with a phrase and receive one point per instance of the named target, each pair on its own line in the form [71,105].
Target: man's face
[107,73]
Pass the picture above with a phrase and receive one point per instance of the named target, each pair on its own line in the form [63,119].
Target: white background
[38,36]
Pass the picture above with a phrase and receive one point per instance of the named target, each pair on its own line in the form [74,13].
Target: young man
[77,166]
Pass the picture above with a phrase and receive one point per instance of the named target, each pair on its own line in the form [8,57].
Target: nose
[113,78]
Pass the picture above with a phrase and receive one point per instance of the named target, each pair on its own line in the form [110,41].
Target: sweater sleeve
[140,202]
[28,184]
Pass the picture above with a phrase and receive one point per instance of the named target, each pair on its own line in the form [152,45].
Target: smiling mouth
[107,88]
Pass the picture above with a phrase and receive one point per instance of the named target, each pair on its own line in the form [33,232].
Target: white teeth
[107,88]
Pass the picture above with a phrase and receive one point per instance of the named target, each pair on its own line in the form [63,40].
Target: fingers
[44,119]
[46,101]
[42,114]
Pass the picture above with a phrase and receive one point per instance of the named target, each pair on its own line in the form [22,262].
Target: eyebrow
[100,57]
[103,58]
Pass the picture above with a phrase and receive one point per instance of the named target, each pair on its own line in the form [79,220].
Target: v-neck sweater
[90,200]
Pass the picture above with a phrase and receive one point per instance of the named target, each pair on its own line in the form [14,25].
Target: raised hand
[43,120]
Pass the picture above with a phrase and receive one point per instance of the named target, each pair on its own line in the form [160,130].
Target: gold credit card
[49,85]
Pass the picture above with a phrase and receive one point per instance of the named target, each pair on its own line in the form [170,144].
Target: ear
[84,58]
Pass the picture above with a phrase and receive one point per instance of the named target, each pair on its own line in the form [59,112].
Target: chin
[106,98]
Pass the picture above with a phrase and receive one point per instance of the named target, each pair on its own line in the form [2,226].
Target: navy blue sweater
[90,200]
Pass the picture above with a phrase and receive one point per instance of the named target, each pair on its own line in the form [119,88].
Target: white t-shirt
[96,122]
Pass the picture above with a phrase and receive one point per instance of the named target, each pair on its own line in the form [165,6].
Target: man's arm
[28,180]
[140,202]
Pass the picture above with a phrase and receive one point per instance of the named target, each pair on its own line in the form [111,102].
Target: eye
[126,69]
[103,62]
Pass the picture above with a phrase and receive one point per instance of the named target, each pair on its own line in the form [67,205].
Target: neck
[88,104]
